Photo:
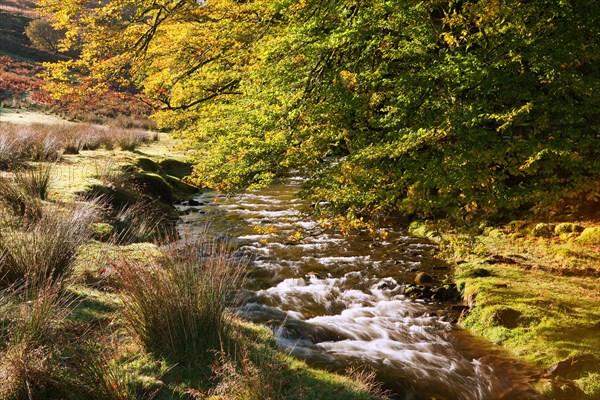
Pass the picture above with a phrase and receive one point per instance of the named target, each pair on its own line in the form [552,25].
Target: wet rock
[413,270]
[439,294]
[445,293]
[440,267]
[422,278]
[459,307]
[573,365]
[425,293]
[316,275]
[432,314]
[193,202]
[506,317]
[387,286]
[201,212]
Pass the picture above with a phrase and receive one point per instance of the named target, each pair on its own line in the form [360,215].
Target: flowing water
[337,301]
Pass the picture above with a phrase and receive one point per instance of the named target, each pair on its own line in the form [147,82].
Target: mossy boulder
[182,189]
[154,185]
[176,168]
[516,226]
[567,227]
[590,236]
[148,165]
[543,230]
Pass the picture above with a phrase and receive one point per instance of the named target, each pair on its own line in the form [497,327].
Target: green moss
[567,227]
[590,384]
[101,230]
[543,230]
[590,236]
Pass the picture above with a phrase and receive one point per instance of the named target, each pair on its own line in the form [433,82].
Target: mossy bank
[533,288]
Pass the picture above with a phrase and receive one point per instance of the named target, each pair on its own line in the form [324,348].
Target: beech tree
[466,109]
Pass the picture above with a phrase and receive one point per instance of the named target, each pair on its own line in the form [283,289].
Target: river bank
[532,288]
[112,205]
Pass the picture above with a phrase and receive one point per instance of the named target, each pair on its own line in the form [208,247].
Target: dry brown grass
[39,142]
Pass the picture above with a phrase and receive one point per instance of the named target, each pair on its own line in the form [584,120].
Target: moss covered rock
[567,227]
[503,316]
[590,236]
[422,278]
[182,189]
[147,165]
[543,230]
[154,185]
[176,168]
[478,273]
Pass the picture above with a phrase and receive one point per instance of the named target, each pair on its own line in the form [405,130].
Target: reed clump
[176,304]
[32,316]
[46,248]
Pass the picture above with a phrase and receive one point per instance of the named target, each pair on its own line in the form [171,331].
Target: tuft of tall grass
[246,374]
[176,305]
[46,248]
[23,193]
[34,181]
[129,140]
[9,152]
[31,318]
[138,222]
[23,205]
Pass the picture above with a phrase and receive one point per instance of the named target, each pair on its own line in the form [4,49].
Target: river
[337,300]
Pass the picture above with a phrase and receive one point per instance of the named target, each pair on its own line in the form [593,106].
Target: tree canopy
[468,109]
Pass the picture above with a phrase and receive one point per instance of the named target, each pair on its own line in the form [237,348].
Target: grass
[40,142]
[46,248]
[33,315]
[176,305]
[34,181]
